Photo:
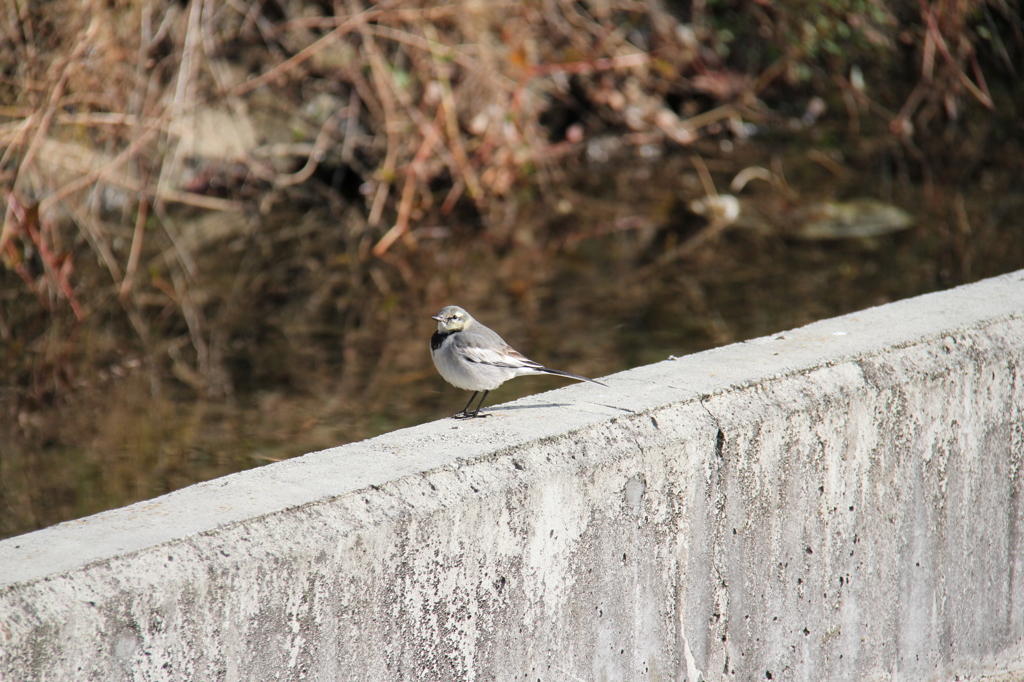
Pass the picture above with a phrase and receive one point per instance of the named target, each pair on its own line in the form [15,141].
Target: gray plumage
[473,357]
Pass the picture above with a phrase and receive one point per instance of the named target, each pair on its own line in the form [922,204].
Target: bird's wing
[498,356]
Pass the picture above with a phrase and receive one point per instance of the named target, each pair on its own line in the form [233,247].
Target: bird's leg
[465,411]
[480,404]
[466,414]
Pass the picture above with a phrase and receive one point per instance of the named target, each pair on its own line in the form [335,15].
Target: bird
[473,357]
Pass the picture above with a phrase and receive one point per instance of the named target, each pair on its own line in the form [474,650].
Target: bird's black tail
[577,377]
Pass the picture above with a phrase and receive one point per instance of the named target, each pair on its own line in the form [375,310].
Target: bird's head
[452,318]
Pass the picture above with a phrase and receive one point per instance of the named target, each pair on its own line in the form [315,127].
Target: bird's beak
[436,317]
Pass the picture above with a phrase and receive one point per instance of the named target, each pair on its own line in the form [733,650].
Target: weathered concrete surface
[838,502]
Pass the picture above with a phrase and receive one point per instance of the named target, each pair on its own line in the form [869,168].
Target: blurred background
[227,224]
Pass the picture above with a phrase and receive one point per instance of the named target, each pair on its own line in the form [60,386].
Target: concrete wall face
[866,518]
[783,509]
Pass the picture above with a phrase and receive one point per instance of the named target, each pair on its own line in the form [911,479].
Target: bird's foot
[471,415]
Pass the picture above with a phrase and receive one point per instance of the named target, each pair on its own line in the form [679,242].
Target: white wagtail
[471,356]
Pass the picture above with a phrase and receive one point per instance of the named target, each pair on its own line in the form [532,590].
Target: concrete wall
[840,502]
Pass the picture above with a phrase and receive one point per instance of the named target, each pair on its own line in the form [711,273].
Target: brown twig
[184,94]
[92,175]
[900,125]
[980,93]
[318,152]
[136,250]
[705,177]
[413,174]
[774,70]
[355,22]
[92,234]
[451,116]
[72,63]
[828,162]
[430,14]
[628,61]
[58,268]
[427,45]
[387,91]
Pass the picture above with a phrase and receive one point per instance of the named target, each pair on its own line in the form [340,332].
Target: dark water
[579,277]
